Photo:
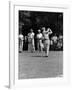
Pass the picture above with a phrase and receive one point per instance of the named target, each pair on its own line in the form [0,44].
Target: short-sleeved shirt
[31,35]
[39,36]
[21,37]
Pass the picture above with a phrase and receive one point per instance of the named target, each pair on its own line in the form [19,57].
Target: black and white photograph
[40,44]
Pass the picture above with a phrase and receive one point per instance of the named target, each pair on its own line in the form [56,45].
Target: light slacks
[46,46]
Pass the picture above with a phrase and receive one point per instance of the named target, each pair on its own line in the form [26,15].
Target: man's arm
[33,35]
[49,31]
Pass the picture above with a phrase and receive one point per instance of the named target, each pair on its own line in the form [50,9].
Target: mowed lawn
[36,65]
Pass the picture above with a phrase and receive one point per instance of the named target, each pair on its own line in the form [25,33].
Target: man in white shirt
[31,45]
[39,41]
[46,34]
[21,38]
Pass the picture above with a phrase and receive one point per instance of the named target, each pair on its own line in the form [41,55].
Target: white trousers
[46,46]
[20,45]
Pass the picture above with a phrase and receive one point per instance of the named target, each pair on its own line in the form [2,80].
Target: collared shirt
[39,36]
[31,35]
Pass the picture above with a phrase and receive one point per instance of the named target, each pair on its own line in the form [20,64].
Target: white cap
[39,30]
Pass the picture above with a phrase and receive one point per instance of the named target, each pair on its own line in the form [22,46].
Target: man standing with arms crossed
[31,44]
[46,34]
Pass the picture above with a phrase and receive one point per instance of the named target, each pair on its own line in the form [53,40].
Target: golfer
[46,34]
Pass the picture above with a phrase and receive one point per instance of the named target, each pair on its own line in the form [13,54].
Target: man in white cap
[31,45]
[46,34]
[39,41]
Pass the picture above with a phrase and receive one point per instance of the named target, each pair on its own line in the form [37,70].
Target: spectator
[31,45]
[21,38]
[60,42]
[39,41]
[54,41]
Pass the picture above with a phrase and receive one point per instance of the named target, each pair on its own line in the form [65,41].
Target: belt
[46,39]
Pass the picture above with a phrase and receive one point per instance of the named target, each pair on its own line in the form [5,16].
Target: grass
[36,65]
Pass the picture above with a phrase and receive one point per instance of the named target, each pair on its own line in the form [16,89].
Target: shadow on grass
[38,56]
[7,86]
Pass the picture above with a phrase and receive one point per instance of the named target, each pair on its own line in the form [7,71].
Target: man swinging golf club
[46,33]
